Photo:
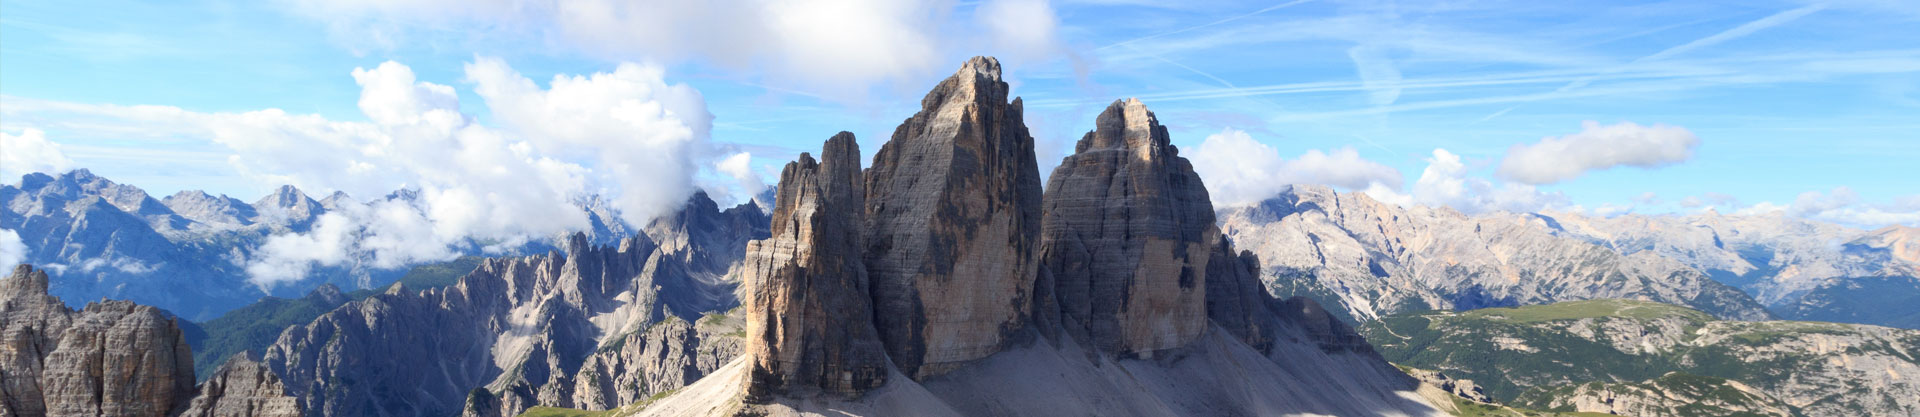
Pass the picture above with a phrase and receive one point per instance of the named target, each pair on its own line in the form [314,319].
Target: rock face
[1365,258]
[111,358]
[809,319]
[953,223]
[1236,301]
[1162,316]
[1127,238]
[243,387]
[586,327]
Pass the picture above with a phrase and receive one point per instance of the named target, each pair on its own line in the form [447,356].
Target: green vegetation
[1573,310]
[252,328]
[434,275]
[257,325]
[564,412]
[1712,396]
[1465,408]
[1512,351]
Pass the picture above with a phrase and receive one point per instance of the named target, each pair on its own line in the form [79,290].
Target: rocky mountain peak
[1127,124]
[205,208]
[953,209]
[287,196]
[809,319]
[982,67]
[24,285]
[1126,239]
[35,180]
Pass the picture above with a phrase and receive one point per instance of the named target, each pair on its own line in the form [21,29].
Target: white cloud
[739,166]
[1843,206]
[835,45]
[30,152]
[1241,170]
[12,250]
[627,135]
[643,133]
[1596,147]
[1446,182]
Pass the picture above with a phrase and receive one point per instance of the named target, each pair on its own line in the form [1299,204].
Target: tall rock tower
[809,320]
[1127,239]
[953,223]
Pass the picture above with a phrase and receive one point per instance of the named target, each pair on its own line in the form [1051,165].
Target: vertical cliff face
[809,319]
[1127,235]
[1236,300]
[953,222]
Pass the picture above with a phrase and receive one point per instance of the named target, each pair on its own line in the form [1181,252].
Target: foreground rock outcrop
[809,315]
[1127,238]
[953,223]
[112,358]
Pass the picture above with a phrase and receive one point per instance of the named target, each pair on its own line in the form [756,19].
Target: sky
[1802,108]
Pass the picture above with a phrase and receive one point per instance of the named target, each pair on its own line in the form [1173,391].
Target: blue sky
[1806,107]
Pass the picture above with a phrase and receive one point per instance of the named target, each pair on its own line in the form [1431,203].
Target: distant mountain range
[1376,259]
[186,253]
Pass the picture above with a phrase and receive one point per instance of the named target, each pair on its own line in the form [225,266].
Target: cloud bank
[30,152]
[627,135]
[1597,147]
[1240,170]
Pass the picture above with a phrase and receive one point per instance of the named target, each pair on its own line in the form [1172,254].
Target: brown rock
[1127,237]
[953,222]
[112,358]
[809,319]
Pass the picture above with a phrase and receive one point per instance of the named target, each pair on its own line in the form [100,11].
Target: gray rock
[561,329]
[1368,258]
[1127,238]
[953,223]
[242,387]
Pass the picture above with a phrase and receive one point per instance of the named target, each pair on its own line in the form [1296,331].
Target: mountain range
[1375,259]
[947,276]
[187,253]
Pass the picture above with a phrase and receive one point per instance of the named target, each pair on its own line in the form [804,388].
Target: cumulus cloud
[739,166]
[12,250]
[1241,170]
[838,43]
[30,152]
[627,135]
[1446,182]
[1597,147]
